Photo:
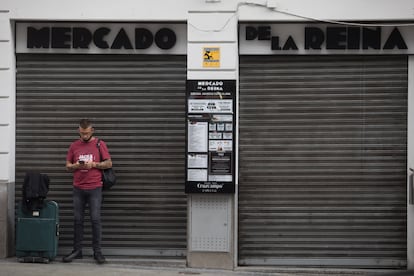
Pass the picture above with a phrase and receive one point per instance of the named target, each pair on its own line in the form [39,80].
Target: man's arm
[106,164]
[70,167]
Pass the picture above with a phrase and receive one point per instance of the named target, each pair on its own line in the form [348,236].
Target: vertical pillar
[6,219]
[410,164]
[7,130]
[211,227]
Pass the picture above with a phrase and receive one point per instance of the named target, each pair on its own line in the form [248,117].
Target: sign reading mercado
[316,39]
[101,38]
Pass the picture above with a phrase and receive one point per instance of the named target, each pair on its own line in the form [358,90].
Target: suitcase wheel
[33,260]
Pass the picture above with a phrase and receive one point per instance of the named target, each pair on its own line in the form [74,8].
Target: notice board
[210,146]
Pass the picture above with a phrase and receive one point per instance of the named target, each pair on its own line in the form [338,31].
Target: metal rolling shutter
[138,105]
[323,160]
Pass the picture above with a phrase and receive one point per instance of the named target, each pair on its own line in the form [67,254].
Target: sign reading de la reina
[101,38]
[288,39]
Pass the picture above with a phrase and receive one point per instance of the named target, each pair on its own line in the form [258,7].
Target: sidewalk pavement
[122,267]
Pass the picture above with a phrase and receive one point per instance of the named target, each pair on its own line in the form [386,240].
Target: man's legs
[95,202]
[79,203]
[79,213]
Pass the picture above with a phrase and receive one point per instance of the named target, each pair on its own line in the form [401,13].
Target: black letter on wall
[121,40]
[290,44]
[98,38]
[165,38]
[251,33]
[81,38]
[61,38]
[395,40]
[354,38]
[371,38]
[38,38]
[314,38]
[335,38]
[143,38]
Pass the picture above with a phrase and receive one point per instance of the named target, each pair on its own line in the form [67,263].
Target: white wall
[166,10]
[370,10]
[7,103]
[96,10]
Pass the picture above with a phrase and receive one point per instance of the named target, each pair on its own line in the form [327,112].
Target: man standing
[83,159]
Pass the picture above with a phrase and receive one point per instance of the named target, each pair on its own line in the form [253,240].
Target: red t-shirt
[88,152]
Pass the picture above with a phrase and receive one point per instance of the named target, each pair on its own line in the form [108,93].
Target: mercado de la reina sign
[291,39]
[168,38]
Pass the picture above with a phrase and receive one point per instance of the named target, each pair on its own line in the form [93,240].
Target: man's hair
[85,123]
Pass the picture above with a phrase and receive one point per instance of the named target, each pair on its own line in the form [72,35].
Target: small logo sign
[211,57]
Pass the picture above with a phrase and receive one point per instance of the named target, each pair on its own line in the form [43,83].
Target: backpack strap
[98,145]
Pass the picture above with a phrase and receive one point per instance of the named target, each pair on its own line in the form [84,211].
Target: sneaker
[99,258]
[75,254]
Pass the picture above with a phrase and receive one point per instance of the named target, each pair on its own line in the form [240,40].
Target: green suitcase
[37,233]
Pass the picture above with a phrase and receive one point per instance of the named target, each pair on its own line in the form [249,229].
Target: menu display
[210,136]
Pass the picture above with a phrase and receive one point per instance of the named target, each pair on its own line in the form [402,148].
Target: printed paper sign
[210,106]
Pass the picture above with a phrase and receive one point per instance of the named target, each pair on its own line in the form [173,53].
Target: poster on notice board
[210,152]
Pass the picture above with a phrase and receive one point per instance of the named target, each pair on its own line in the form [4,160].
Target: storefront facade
[139,100]
[241,135]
